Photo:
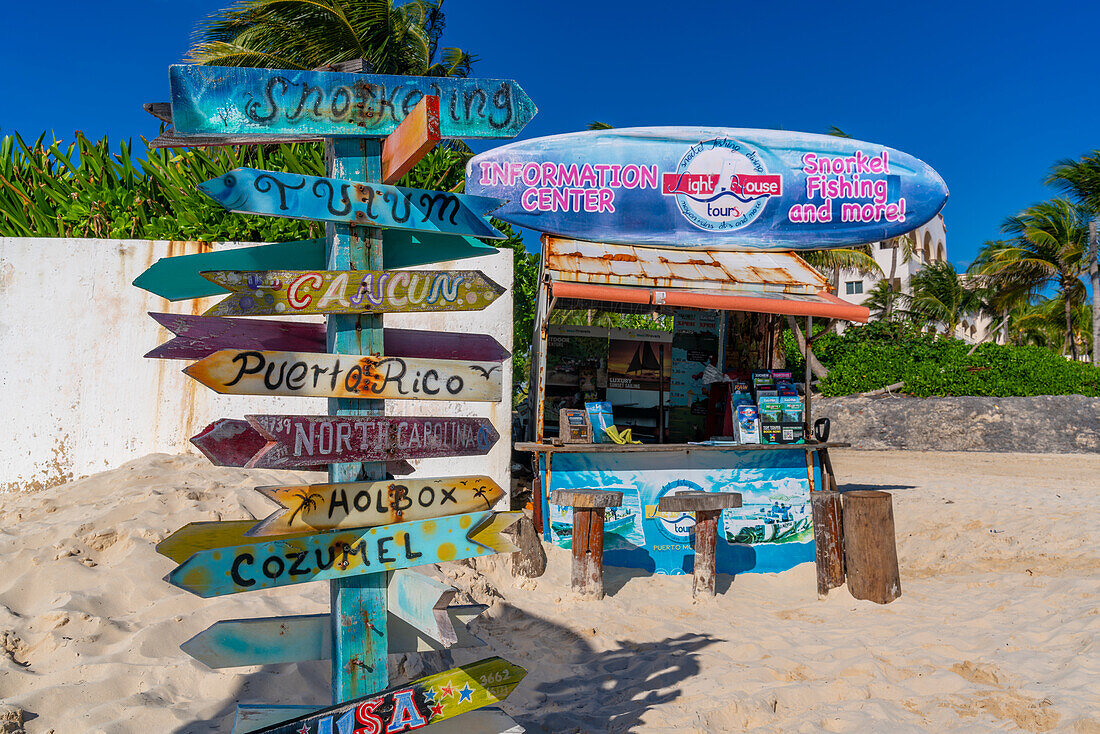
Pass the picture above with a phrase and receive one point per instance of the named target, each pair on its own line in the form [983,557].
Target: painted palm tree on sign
[309,34]
[1045,249]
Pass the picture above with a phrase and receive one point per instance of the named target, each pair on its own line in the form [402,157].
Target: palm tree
[941,296]
[308,34]
[1046,249]
[882,299]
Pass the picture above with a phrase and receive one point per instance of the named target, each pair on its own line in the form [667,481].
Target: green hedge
[882,353]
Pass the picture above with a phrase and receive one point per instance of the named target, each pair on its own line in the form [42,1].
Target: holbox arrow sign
[277,194]
[289,561]
[219,100]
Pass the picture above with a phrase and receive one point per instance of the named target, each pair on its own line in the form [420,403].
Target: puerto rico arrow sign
[276,194]
[218,100]
[313,507]
[285,292]
[289,561]
[415,705]
[304,441]
[200,336]
[249,372]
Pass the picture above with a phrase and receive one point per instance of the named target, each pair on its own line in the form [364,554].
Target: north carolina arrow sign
[226,100]
[250,372]
[277,194]
[716,187]
[412,706]
[178,278]
[286,292]
[313,507]
[303,441]
[200,336]
[289,561]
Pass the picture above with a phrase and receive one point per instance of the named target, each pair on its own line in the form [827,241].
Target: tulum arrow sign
[414,705]
[286,292]
[714,187]
[304,441]
[315,375]
[178,278]
[231,643]
[314,507]
[278,194]
[340,554]
[200,336]
[218,100]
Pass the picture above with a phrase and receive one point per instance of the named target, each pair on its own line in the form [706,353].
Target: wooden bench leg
[706,550]
[587,576]
[828,540]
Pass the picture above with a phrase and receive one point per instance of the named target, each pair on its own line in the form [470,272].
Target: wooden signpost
[179,278]
[360,531]
[275,194]
[251,372]
[313,507]
[200,336]
[284,292]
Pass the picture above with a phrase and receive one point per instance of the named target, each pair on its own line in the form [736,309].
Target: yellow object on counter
[619,437]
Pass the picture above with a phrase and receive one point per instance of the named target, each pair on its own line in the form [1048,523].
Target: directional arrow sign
[415,705]
[277,194]
[289,561]
[304,441]
[236,372]
[313,507]
[273,640]
[200,336]
[177,278]
[285,292]
[227,100]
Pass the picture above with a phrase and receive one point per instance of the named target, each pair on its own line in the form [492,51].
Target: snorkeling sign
[735,188]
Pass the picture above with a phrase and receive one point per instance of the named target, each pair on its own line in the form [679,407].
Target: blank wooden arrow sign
[278,194]
[273,640]
[289,561]
[249,372]
[217,100]
[200,336]
[414,705]
[304,441]
[286,292]
[313,507]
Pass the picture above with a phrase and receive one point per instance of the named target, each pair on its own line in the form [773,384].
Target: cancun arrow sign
[218,100]
[715,187]
[278,194]
[325,556]
[285,292]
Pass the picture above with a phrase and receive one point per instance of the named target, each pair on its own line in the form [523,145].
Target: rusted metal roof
[652,267]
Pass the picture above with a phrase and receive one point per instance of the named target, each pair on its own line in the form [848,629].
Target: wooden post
[588,518]
[870,555]
[707,507]
[828,540]
[358,605]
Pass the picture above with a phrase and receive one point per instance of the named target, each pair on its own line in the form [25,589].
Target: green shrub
[883,353]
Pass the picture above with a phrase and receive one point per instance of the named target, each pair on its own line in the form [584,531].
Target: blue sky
[989,94]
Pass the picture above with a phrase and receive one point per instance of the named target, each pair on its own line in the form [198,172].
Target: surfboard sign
[730,188]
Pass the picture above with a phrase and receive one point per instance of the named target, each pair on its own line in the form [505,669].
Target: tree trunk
[1071,343]
[870,553]
[816,367]
[893,274]
[1094,270]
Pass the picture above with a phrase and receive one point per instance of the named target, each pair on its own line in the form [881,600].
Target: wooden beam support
[414,137]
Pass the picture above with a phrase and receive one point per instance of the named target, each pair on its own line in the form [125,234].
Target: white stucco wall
[77,396]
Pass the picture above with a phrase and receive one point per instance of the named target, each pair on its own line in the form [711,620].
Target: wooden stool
[870,554]
[707,507]
[588,506]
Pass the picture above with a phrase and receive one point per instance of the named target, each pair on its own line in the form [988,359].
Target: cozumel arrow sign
[293,195]
[284,562]
[221,100]
[714,187]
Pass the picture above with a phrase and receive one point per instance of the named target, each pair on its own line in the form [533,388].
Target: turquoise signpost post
[373,127]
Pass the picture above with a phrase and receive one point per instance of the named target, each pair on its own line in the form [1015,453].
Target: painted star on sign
[465,693]
[429,695]
[304,729]
[437,710]
[448,690]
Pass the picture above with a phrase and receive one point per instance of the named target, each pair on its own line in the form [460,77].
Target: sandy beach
[996,629]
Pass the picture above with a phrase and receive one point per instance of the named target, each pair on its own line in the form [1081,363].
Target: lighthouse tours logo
[721,184]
